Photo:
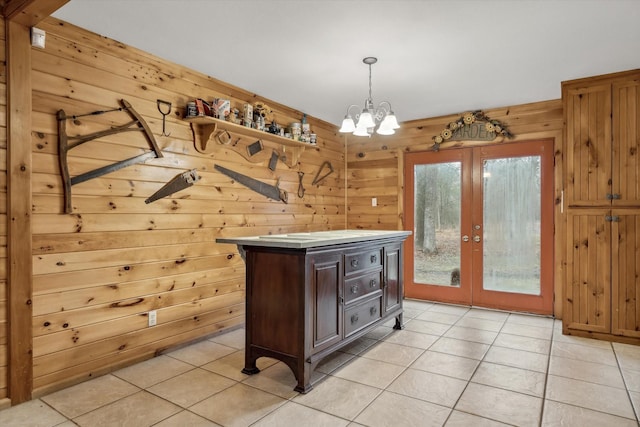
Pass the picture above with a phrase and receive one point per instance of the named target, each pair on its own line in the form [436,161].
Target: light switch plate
[153,318]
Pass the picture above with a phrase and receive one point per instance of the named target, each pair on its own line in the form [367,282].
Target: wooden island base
[302,370]
[309,294]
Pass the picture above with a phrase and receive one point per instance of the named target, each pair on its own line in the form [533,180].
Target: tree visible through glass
[510,228]
[437,224]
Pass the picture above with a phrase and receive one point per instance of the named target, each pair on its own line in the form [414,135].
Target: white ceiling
[435,57]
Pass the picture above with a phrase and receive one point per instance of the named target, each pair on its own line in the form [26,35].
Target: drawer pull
[373,283]
[354,289]
[354,318]
[354,262]
[374,259]
[373,311]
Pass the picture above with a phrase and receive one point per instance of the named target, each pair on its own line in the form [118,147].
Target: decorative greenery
[466,119]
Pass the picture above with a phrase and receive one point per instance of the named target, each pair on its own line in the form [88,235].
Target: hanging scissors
[164,113]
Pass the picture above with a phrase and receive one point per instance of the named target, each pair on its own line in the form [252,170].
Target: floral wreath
[467,119]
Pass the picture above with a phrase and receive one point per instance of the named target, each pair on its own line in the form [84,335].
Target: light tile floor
[451,366]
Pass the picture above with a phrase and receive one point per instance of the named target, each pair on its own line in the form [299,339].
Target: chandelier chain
[370,97]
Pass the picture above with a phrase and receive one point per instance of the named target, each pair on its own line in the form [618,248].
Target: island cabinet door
[326,300]
[392,280]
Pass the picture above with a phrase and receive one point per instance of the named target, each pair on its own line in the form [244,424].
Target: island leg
[302,373]
[250,367]
[398,324]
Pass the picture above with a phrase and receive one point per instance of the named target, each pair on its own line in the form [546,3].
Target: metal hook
[300,187]
[160,102]
[319,178]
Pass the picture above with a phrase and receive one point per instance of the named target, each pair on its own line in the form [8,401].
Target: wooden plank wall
[375,167]
[98,271]
[4,309]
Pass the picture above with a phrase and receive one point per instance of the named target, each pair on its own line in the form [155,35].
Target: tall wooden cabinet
[602,197]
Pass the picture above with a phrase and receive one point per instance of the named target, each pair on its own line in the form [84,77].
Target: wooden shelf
[289,153]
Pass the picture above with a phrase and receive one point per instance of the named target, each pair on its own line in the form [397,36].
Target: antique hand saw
[67,142]
[270,191]
[179,182]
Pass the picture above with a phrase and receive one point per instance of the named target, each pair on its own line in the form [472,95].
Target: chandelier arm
[349,109]
[387,103]
[381,110]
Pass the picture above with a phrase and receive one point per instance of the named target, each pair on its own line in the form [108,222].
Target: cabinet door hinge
[611,218]
[613,196]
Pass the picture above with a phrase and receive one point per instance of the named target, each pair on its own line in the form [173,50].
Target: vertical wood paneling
[98,271]
[589,141]
[626,272]
[4,309]
[626,147]
[19,170]
[588,297]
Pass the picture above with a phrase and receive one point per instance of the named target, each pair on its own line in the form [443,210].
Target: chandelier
[382,116]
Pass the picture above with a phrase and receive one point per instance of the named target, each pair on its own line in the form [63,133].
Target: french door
[482,222]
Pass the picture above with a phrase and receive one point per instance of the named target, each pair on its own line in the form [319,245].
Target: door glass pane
[511,220]
[437,224]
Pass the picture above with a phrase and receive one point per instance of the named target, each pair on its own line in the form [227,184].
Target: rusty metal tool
[165,109]
[177,183]
[66,143]
[300,187]
[273,162]
[271,191]
[318,179]
[255,148]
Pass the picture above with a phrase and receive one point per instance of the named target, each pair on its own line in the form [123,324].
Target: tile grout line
[385,388]
[453,408]
[546,373]
[396,377]
[65,417]
[633,407]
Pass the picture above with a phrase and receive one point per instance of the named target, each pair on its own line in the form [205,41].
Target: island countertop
[313,239]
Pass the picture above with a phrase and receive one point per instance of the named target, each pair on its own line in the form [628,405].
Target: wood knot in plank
[121,304]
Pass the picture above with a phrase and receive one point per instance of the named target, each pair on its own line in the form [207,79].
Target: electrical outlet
[153,318]
[374,201]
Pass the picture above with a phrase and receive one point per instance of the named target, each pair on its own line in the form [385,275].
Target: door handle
[465,238]
[476,238]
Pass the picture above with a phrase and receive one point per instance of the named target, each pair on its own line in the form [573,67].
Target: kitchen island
[309,294]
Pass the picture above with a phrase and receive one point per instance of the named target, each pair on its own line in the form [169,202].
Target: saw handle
[283,195]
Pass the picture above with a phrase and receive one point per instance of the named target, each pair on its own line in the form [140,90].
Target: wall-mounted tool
[271,191]
[165,109]
[300,187]
[319,178]
[255,148]
[273,162]
[223,137]
[177,183]
[66,143]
